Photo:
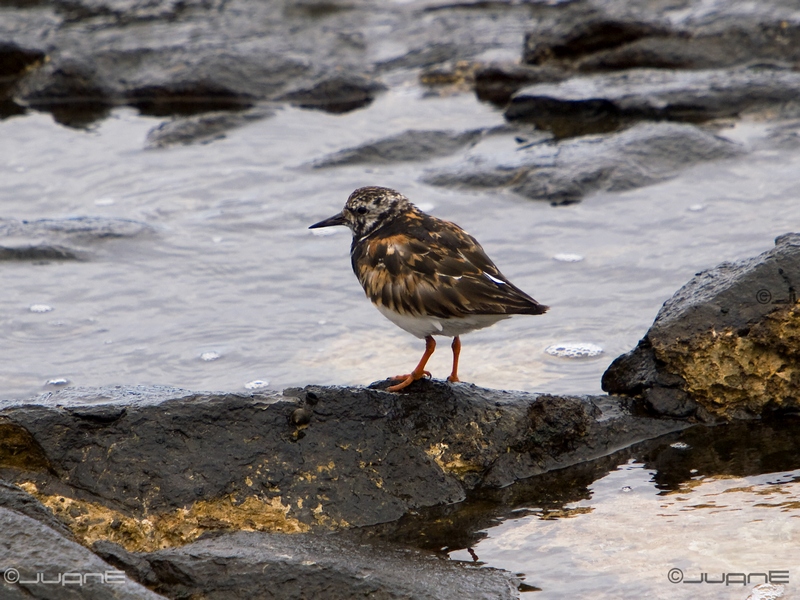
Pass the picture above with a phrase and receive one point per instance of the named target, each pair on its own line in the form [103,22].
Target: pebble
[209,356]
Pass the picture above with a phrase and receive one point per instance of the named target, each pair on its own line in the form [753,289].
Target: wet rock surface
[201,129]
[257,564]
[565,172]
[190,57]
[724,346]
[585,37]
[407,146]
[41,561]
[62,239]
[155,467]
[601,103]
[736,449]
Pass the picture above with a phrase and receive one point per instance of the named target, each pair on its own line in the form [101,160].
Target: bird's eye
[362,210]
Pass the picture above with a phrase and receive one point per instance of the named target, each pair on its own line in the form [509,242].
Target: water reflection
[721,500]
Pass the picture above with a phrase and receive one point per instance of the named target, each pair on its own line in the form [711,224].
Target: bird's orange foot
[453,378]
[407,380]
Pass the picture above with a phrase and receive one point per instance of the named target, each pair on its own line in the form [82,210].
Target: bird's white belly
[423,326]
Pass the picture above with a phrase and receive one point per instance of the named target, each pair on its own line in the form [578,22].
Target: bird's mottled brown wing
[420,265]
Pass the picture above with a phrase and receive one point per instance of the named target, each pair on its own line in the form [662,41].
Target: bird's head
[367,209]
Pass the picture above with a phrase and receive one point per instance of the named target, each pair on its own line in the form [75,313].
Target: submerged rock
[200,129]
[407,146]
[337,95]
[150,468]
[601,103]
[725,346]
[61,239]
[566,171]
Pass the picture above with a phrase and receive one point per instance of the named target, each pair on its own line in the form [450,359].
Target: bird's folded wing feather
[447,274]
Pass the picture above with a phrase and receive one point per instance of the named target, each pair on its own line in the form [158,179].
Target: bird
[426,275]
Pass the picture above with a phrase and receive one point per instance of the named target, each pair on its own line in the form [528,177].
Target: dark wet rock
[602,103]
[584,38]
[725,345]
[160,81]
[82,228]
[34,552]
[154,467]
[15,499]
[407,146]
[14,60]
[337,95]
[568,40]
[61,239]
[38,252]
[177,57]
[200,129]
[566,171]
[324,567]
[497,83]
[738,449]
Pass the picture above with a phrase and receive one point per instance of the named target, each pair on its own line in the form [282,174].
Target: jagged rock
[155,467]
[601,103]
[407,146]
[324,567]
[566,171]
[725,346]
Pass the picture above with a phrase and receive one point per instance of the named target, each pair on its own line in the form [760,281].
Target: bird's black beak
[330,222]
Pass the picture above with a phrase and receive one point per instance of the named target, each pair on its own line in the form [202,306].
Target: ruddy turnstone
[425,275]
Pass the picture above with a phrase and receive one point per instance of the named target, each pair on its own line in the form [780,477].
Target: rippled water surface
[231,291]
[231,270]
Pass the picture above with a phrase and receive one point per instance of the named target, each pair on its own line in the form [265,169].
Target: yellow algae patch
[90,521]
[327,521]
[727,372]
[452,463]
[326,468]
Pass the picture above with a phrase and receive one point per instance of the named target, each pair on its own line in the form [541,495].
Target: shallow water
[232,288]
[232,268]
[650,521]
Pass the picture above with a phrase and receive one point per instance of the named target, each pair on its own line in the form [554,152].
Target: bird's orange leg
[456,353]
[419,372]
